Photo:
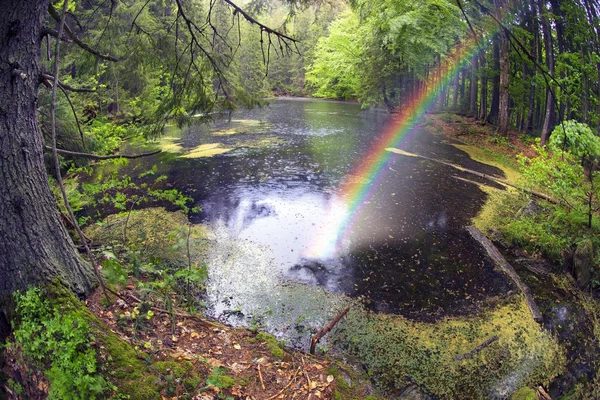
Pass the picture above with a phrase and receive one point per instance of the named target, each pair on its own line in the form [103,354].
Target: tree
[35,248]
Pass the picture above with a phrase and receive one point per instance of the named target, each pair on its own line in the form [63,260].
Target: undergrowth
[59,343]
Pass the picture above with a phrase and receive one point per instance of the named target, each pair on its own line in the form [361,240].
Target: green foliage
[575,138]
[105,137]
[60,343]
[525,394]
[335,72]
[570,175]
[220,379]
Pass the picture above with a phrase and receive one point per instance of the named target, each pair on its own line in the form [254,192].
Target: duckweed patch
[206,150]
[397,351]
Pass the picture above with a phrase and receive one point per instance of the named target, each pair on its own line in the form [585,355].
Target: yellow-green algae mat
[398,351]
[170,141]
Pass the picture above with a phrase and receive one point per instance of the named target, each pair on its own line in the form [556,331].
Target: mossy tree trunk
[35,248]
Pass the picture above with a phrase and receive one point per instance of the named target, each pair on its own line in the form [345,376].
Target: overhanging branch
[49,79]
[68,153]
[78,41]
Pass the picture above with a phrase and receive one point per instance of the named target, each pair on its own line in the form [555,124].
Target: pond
[268,182]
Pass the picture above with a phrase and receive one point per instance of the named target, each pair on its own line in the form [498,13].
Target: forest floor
[203,359]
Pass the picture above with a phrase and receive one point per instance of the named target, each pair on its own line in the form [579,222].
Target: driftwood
[501,262]
[315,339]
[476,349]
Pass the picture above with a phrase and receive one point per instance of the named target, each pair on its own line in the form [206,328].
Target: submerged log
[477,349]
[501,263]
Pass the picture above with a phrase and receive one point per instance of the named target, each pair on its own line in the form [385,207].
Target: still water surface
[271,195]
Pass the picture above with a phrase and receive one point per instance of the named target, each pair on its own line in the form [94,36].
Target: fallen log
[315,339]
[492,178]
[501,263]
[476,349]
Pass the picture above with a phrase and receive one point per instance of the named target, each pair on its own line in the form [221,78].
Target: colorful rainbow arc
[356,193]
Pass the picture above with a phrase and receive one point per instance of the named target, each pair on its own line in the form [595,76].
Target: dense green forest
[535,63]
[512,85]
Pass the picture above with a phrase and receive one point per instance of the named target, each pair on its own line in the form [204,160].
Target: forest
[339,199]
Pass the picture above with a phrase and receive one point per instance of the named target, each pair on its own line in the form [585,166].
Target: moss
[190,384]
[355,390]
[272,344]
[206,150]
[220,379]
[178,368]
[525,394]
[155,233]
[397,351]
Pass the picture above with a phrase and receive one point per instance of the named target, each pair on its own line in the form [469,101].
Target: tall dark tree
[35,247]
[549,50]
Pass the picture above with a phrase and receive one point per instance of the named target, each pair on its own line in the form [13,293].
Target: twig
[326,329]
[61,25]
[203,321]
[477,349]
[75,116]
[286,386]
[543,393]
[70,153]
[262,383]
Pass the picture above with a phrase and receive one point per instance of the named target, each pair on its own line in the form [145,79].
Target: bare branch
[255,22]
[68,153]
[49,79]
[76,39]
[54,33]
[61,25]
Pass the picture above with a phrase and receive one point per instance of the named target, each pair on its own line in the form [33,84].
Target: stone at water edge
[583,263]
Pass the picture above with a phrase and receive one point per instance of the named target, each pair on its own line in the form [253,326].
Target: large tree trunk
[492,117]
[484,87]
[35,248]
[473,97]
[504,76]
[549,114]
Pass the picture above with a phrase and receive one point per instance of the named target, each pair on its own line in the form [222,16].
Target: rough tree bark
[504,75]
[492,117]
[35,247]
[548,46]
[473,98]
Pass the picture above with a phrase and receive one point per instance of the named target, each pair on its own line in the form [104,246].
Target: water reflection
[276,210]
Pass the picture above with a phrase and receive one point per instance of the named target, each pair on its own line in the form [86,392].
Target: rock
[413,392]
[531,209]
[583,262]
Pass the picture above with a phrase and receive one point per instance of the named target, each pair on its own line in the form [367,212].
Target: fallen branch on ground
[326,329]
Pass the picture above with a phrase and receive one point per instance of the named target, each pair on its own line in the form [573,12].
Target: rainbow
[356,193]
